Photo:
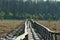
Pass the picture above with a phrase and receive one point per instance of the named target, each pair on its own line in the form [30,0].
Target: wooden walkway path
[36,31]
[31,33]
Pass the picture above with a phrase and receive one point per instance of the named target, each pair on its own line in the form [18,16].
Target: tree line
[21,10]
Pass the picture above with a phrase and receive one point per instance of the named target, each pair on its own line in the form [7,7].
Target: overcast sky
[58,0]
[51,0]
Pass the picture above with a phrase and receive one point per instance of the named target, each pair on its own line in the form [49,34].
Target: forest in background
[14,9]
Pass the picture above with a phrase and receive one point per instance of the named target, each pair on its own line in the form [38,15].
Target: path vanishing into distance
[31,30]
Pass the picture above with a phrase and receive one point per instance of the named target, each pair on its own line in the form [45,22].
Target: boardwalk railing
[46,33]
[18,31]
[25,34]
[13,33]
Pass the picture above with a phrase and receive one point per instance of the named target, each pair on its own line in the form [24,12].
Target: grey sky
[58,0]
[53,0]
[45,0]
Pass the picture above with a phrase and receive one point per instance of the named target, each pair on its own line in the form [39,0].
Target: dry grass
[8,25]
[53,25]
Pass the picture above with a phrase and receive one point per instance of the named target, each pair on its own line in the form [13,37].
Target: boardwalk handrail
[13,33]
[45,32]
[22,29]
[57,32]
[23,36]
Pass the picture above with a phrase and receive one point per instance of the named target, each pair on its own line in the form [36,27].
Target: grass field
[52,25]
[8,25]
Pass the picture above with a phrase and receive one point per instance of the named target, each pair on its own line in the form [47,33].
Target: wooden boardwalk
[35,31]
[31,33]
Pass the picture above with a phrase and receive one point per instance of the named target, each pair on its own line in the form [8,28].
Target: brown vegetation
[8,25]
[52,25]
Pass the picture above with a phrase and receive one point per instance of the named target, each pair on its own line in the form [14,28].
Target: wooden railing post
[55,37]
[51,36]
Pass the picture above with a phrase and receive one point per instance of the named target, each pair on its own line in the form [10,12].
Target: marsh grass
[52,25]
[8,25]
